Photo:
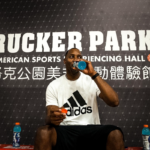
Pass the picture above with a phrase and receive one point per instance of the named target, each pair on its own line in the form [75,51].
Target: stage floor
[31,147]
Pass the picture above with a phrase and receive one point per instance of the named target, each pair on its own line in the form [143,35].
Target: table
[10,147]
[31,147]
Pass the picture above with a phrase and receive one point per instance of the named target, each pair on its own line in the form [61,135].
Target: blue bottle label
[146,139]
[16,139]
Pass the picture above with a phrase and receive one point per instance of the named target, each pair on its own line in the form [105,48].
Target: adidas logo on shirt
[76,110]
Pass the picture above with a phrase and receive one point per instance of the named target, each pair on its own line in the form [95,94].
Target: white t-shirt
[79,97]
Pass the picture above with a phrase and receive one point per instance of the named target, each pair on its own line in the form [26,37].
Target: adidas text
[78,111]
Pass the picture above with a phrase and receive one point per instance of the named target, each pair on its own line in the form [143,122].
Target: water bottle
[79,64]
[16,135]
[146,137]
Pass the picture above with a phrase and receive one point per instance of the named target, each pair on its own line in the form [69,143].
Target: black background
[24,100]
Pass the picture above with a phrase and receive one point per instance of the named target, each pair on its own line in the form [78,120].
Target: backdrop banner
[34,36]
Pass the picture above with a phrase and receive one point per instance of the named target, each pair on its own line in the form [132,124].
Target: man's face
[73,55]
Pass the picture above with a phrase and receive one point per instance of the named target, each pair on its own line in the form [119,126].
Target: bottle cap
[81,65]
[145,125]
[64,110]
[17,123]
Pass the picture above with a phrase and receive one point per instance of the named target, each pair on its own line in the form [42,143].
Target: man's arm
[54,116]
[107,93]
[109,96]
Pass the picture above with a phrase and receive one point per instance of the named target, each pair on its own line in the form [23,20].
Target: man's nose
[77,59]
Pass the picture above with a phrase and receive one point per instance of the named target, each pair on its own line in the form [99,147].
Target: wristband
[93,77]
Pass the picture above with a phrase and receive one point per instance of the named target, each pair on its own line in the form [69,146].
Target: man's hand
[54,115]
[109,96]
[89,70]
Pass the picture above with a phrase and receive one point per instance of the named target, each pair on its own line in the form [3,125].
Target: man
[80,128]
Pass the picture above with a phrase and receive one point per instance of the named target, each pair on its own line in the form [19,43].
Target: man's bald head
[71,50]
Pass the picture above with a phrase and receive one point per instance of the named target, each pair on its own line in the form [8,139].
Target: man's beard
[72,71]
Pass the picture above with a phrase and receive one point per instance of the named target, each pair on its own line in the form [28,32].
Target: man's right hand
[54,115]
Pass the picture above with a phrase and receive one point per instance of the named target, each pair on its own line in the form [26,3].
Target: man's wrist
[93,73]
[96,75]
